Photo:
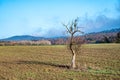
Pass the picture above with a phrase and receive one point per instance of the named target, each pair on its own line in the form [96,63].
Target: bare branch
[71,27]
[77,31]
[66,27]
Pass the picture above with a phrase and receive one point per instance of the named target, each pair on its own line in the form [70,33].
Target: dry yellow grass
[95,62]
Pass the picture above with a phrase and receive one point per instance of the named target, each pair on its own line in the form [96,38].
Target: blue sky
[44,17]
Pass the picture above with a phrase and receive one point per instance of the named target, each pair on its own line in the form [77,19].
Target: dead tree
[73,45]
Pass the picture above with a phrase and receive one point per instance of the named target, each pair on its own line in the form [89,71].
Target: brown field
[95,62]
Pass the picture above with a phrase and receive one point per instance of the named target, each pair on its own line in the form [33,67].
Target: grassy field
[95,62]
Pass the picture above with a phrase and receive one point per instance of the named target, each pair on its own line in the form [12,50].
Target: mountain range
[89,35]
[22,37]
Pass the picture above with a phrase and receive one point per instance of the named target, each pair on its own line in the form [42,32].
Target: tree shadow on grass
[43,63]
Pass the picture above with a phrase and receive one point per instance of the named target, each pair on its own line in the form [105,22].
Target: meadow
[94,62]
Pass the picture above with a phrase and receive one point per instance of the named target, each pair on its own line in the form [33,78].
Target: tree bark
[73,66]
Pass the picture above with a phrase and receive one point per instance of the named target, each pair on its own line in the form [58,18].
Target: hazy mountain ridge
[22,37]
[93,36]
[107,31]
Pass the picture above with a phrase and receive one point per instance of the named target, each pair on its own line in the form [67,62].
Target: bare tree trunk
[73,66]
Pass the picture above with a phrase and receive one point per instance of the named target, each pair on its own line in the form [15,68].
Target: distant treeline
[25,42]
